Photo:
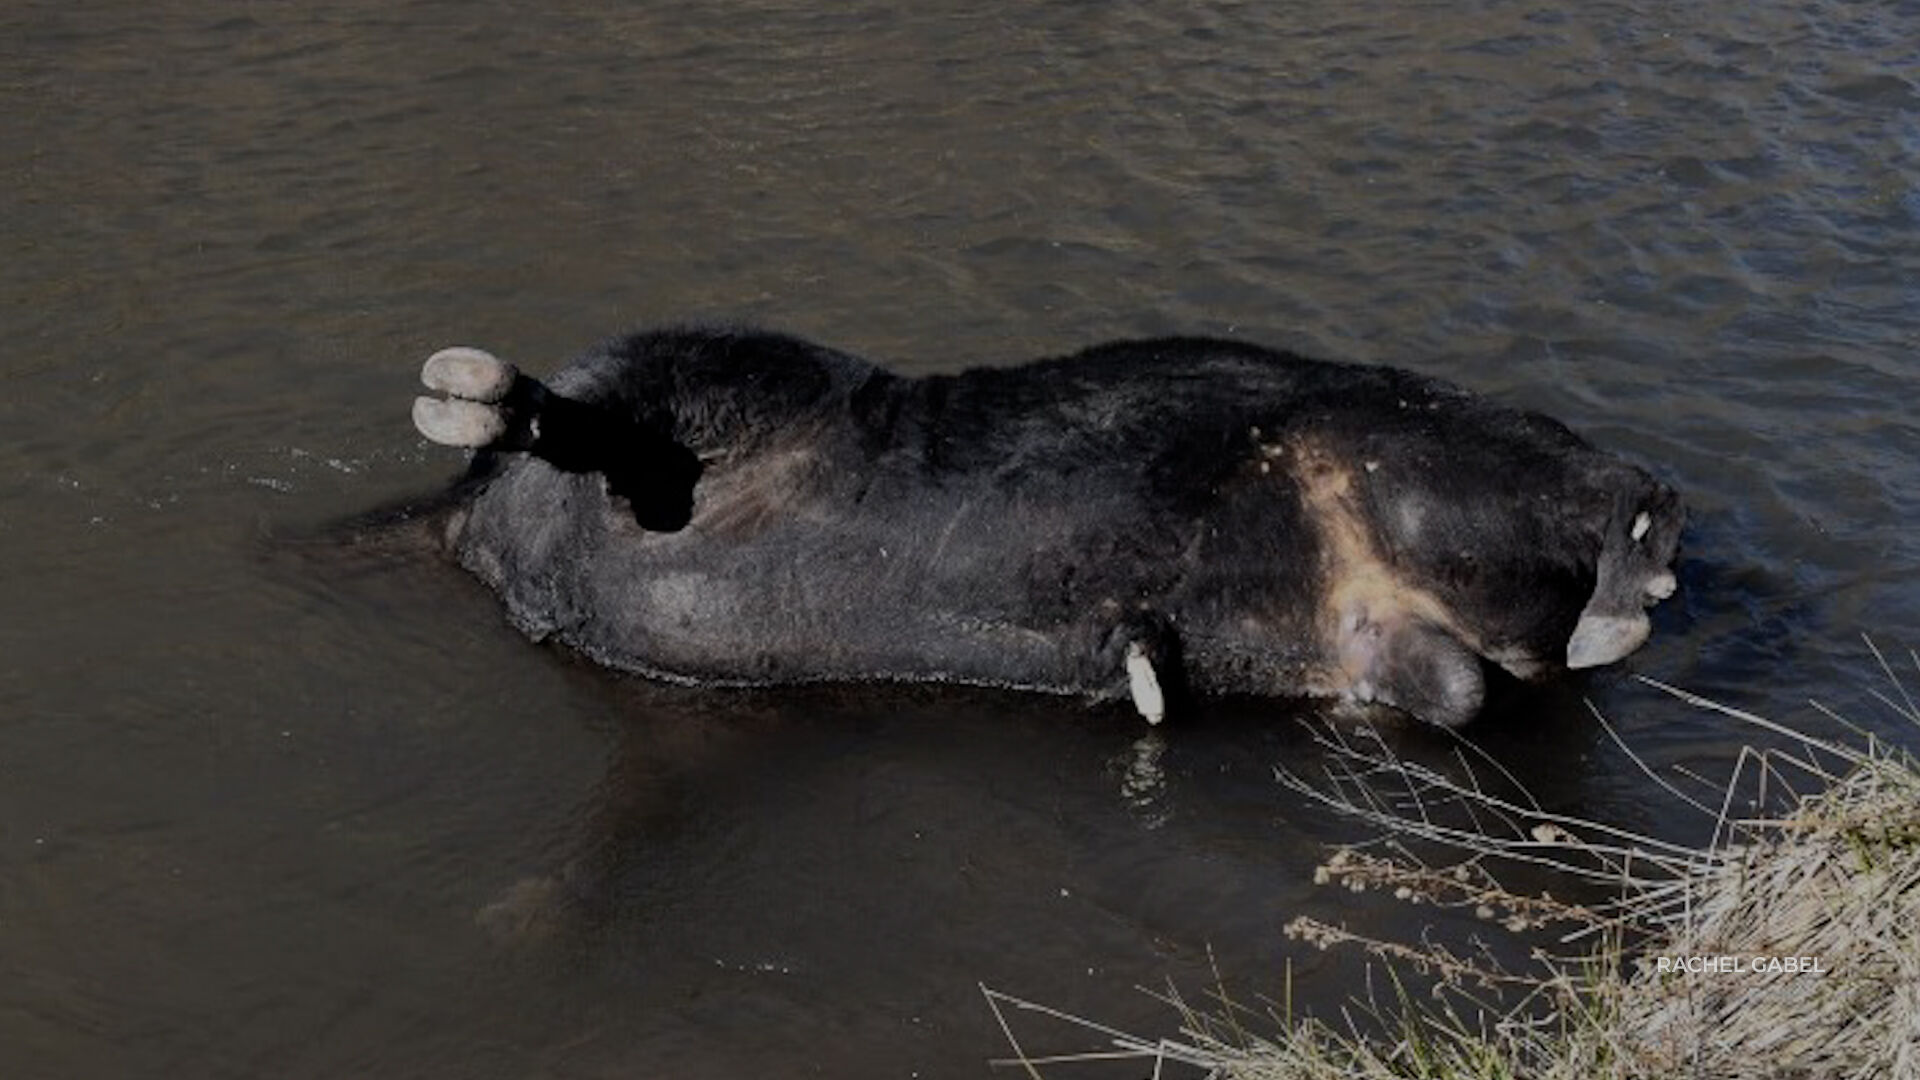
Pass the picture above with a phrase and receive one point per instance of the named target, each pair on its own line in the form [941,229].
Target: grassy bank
[1788,946]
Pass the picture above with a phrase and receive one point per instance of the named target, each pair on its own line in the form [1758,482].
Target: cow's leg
[489,405]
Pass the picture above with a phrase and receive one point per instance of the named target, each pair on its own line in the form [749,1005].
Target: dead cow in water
[1144,519]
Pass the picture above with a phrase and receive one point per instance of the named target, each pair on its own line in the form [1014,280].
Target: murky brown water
[253,794]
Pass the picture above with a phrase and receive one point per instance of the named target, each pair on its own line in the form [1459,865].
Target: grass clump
[1787,946]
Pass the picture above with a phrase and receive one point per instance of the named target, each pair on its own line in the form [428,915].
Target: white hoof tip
[1144,685]
[473,374]
[1599,640]
[458,423]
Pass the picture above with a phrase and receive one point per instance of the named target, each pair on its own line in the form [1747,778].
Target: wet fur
[1256,522]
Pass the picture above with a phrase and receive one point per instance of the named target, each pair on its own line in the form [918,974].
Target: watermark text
[1742,964]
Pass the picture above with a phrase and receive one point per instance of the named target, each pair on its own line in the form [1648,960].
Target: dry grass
[1833,877]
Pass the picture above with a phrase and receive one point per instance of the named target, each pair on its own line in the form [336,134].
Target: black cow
[1147,519]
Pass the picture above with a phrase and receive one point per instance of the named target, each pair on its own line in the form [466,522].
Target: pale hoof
[1143,683]
[1599,640]
[457,422]
[473,374]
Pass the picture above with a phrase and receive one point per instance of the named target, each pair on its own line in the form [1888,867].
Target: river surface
[258,796]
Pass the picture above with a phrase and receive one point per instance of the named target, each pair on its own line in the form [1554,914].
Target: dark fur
[746,508]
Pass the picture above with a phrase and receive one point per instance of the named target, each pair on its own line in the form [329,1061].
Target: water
[253,793]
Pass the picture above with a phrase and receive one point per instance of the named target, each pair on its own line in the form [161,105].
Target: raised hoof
[473,374]
[457,422]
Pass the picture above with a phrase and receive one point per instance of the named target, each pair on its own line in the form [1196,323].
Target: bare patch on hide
[1366,599]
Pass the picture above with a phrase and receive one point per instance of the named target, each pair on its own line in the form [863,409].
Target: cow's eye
[1641,522]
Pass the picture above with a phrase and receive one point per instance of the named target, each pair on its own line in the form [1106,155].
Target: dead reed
[1787,946]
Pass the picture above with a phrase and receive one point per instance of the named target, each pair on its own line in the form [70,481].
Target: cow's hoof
[472,374]
[476,413]
[1143,683]
[457,422]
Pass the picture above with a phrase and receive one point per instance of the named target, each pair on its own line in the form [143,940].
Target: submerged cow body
[1141,520]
